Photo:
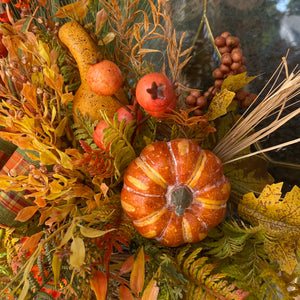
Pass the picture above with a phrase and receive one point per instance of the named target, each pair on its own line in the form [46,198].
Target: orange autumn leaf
[137,276]
[125,293]
[40,202]
[26,213]
[32,241]
[99,284]
[152,290]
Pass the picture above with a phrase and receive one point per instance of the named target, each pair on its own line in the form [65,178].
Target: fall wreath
[118,180]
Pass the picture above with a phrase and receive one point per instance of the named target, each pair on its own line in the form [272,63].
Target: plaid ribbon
[11,202]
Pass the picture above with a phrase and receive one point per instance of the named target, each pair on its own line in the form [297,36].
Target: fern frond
[203,281]
[83,130]
[118,137]
[228,239]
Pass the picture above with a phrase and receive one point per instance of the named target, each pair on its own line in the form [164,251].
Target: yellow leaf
[93,233]
[270,205]
[37,79]
[65,160]
[44,51]
[236,82]
[219,104]
[107,39]
[66,98]
[137,276]
[68,235]
[76,10]
[56,265]
[60,129]
[48,158]
[279,218]
[26,213]
[78,252]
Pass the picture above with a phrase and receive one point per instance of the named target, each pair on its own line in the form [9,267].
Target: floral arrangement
[126,183]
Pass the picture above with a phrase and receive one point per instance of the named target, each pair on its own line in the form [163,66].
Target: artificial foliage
[68,237]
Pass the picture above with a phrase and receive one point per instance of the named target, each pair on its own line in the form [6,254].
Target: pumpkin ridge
[131,190]
[174,161]
[151,218]
[150,172]
[199,167]
[211,203]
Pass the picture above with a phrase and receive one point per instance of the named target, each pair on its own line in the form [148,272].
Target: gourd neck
[182,199]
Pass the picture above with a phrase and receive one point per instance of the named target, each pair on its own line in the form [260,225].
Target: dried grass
[244,133]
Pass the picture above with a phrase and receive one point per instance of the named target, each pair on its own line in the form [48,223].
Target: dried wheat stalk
[243,133]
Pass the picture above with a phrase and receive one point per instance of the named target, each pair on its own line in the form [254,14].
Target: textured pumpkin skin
[162,168]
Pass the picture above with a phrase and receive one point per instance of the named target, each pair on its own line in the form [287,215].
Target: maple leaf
[279,219]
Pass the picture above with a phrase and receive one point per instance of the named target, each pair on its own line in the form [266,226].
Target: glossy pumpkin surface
[175,192]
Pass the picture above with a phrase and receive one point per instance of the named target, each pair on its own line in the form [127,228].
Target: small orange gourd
[175,192]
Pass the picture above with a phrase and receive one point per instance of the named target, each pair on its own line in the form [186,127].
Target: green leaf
[249,174]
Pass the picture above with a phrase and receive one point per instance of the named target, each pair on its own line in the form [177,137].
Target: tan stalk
[243,133]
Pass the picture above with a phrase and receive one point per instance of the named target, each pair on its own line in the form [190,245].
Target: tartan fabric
[11,202]
[6,150]
[3,158]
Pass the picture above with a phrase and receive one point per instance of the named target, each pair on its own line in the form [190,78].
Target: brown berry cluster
[232,63]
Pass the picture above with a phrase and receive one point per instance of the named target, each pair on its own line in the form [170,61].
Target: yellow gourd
[84,51]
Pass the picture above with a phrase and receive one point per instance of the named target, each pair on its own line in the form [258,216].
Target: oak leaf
[279,219]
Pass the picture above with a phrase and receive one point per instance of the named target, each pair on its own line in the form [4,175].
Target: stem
[204,20]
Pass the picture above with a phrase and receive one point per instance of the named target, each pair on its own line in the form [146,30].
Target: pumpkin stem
[182,199]
[156,91]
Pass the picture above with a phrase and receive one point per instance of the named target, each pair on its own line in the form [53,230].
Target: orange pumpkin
[175,192]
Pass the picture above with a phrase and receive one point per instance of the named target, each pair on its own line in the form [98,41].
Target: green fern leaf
[204,282]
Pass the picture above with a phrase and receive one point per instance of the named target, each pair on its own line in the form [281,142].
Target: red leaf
[32,241]
[125,293]
[127,266]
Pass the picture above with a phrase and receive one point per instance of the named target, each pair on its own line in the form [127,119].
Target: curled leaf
[93,233]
